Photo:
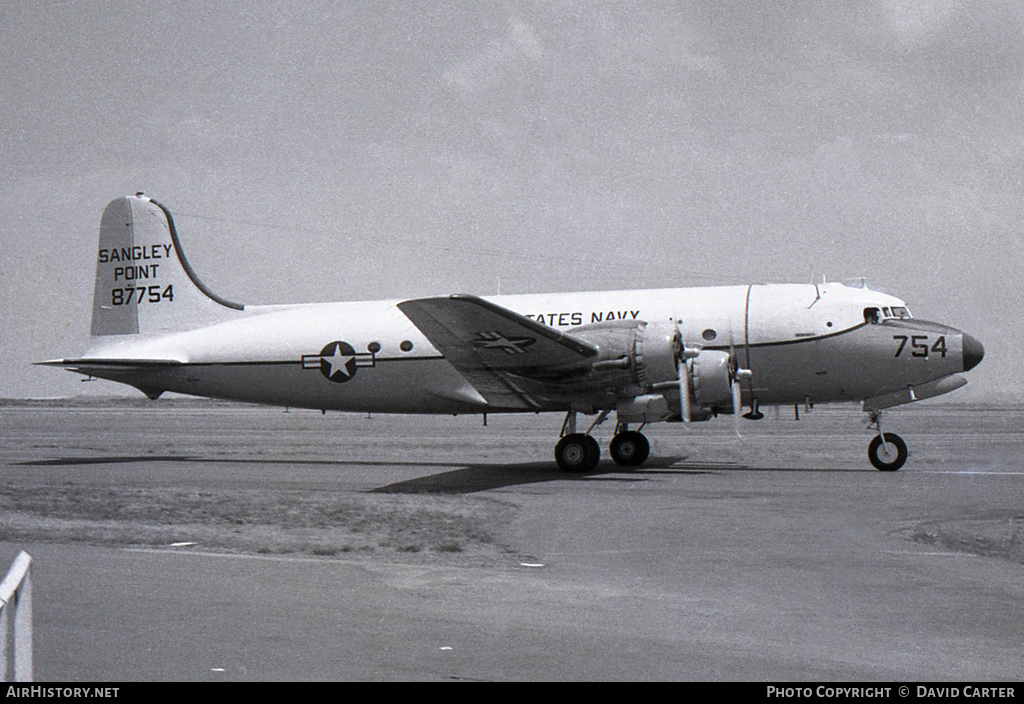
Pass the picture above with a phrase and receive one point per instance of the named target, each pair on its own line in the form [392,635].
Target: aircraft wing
[504,355]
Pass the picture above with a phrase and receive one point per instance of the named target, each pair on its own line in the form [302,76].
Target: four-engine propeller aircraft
[682,354]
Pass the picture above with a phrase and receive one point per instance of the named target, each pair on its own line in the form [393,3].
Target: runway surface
[779,557]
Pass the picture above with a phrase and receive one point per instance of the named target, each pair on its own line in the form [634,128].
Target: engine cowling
[656,354]
[644,353]
[711,382]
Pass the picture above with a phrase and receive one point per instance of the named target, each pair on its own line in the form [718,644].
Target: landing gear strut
[887,451]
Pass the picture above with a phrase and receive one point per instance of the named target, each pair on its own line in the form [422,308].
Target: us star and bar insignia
[338,361]
[509,345]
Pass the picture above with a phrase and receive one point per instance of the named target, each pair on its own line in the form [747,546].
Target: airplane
[676,354]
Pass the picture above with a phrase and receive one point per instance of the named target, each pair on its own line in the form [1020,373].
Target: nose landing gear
[887,451]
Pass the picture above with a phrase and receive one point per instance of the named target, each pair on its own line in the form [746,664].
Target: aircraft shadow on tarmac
[481,477]
[466,479]
[485,476]
[77,461]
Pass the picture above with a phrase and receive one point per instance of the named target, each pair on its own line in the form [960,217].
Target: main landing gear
[887,451]
[630,448]
[579,452]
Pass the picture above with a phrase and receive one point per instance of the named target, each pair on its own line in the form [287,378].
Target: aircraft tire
[888,463]
[630,449]
[577,453]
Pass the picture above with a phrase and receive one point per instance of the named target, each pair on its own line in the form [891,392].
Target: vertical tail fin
[144,283]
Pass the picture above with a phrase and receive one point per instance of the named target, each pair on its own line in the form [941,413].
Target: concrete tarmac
[780,557]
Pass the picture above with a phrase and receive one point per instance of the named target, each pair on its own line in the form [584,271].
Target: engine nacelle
[638,363]
[656,354]
[633,353]
[711,381]
[638,366]
[648,408]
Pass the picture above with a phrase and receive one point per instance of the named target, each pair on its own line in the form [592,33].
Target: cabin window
[871,315]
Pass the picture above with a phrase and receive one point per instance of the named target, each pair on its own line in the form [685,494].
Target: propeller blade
[738,376]
[683,375]
[737,402]
[684,391]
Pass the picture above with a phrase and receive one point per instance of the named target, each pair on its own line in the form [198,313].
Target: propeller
[684,390]
[683,354]
[738,376]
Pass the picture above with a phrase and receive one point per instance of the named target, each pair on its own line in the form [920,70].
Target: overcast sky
[354,150]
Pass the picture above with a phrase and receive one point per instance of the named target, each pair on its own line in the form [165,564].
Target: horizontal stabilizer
[143,374]
[85,365]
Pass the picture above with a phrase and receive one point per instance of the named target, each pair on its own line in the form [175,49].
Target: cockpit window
[876,315]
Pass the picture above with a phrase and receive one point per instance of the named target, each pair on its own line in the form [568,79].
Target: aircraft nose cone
[973,352]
